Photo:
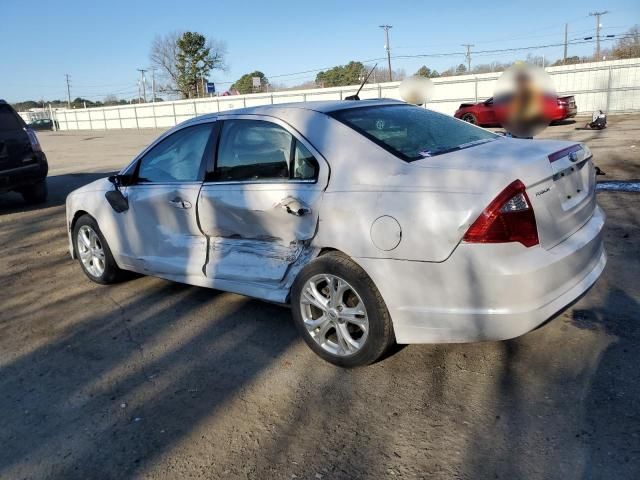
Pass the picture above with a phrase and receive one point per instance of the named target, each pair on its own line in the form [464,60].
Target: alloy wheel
[90,251]
[334,314]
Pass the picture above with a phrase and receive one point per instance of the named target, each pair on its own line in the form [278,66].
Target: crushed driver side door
[258,207]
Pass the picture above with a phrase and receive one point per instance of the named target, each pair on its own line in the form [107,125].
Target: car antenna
[356,97]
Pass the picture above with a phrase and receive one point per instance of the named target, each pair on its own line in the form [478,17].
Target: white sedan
[377,221]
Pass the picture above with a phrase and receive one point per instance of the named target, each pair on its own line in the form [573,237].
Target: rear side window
[254,150]
[8,119]
[411,132]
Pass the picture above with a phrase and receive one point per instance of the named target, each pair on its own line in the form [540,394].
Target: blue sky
[102,44]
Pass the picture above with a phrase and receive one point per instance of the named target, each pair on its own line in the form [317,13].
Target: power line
[500,50]
[575,41]
[430,55]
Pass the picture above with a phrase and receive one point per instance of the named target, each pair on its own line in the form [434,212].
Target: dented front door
[258,211]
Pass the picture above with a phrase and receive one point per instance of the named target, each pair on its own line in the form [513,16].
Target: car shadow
[59,187]
[566,121]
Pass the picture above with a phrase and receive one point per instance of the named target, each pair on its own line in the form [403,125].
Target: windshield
[412,133]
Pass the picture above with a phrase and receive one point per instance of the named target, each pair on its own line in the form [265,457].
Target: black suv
[23,164]
[42,124]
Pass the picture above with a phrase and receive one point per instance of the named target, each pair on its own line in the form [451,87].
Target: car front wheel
[93,252]
[340,313]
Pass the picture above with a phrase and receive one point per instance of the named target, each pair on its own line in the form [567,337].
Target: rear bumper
[488,291]
[24,175]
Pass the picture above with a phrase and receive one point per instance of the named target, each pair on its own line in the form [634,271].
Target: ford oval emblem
[573,156]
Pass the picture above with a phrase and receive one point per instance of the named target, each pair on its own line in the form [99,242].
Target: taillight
[33,140]
[508,218]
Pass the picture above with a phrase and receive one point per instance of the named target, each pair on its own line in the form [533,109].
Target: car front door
[160,229]
[259,207]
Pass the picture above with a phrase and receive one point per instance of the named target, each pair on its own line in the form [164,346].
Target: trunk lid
[559,177]
[569,99]
[566,201]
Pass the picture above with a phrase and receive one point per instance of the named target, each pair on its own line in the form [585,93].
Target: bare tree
[164,56]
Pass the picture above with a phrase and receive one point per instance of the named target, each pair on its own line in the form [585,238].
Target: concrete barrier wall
[612,86]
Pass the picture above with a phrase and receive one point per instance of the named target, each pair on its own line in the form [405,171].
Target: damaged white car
[377,221]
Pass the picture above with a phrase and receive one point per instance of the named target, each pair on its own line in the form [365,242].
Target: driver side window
[177,158]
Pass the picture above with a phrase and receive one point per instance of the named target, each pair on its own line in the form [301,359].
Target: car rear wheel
[93,252]
[340,313]
[470,118]
[36,193]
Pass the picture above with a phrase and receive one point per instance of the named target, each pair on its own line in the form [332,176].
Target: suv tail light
[33,140]
[508,218]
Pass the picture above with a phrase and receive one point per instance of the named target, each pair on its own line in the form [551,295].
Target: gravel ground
[151,379]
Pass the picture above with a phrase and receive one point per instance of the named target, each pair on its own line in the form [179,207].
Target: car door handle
[180,203]
[296,207]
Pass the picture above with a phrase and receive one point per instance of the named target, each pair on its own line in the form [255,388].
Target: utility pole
[142,82]
[68,91]
[566,35]
[468,55]
[387,48]
[153,84]
[598,15]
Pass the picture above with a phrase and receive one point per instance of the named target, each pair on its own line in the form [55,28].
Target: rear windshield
[411,132]
[8,119]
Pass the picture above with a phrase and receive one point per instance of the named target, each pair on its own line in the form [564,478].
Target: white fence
[612,86]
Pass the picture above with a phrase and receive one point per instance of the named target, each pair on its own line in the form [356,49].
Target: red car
[485,114]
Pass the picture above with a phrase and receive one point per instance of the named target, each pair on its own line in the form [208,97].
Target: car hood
[100,185]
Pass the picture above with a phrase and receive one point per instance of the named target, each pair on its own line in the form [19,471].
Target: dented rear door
[259,207]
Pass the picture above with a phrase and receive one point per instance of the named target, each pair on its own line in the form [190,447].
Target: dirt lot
[151,379]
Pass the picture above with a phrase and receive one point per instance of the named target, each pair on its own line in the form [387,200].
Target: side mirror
[120,180]
[116,199]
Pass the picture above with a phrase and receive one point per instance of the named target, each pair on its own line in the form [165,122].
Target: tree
[628,46]
[461,69]
[349,74]
[195,59]
[163,56]
[569,61]
[245,83]
[184,60]
[425,71]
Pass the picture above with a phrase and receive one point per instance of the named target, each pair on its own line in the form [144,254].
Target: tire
[96,262]
[356,302]
[36,193]
[469,118]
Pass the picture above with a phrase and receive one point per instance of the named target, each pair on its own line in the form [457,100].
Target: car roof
[326,106]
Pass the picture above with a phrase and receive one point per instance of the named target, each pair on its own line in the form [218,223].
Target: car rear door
[15,148]
[486,113]
[159,231]
[259,206]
